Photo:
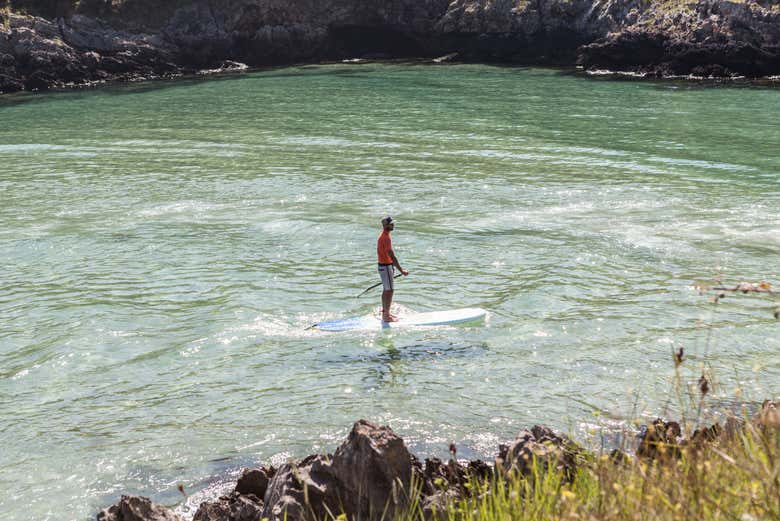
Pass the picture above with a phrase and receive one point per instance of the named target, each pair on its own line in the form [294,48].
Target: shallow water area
[164,247]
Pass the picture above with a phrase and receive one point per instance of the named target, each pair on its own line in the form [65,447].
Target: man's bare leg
[387,301]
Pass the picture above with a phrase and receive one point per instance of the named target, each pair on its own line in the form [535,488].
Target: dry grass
[5,14]
[736,479]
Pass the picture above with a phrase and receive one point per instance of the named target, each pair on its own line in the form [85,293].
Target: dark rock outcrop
[543,447]
[768,417]
[255,481]
[302,490]
[702,38]
[37,54]
[246,501]
[135,508]
[530,31]
[659,440]
[452,476]
[235,507]
[368,477]
[374,469]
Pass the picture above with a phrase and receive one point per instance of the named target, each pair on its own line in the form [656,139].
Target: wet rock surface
[368,477]
[255,481]
[235,507]
[129,40]
[135,508]
[540,446]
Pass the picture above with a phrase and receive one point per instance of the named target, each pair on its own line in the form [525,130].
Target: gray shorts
[387,273]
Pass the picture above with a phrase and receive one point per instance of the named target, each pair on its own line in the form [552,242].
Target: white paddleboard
[434,318]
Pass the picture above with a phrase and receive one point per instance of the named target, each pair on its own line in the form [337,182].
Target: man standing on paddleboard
[387,262]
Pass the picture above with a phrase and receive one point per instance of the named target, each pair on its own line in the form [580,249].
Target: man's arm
[397,264]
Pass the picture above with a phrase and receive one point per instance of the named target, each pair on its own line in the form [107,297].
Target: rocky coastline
[373,476]
[59,44]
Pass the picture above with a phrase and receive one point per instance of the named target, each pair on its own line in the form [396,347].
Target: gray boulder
[374,468]
[367,478]
[255,481]
[304,490]
[236,507]
[768,417]
[541,446]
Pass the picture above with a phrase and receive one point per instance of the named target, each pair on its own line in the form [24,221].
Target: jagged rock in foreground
[543,445]
[374,469]
[246,501]
[368,477]
[255,481]
[236,507]
[442,483]
[768,417]
[135,508]
[659,440]
[663,440]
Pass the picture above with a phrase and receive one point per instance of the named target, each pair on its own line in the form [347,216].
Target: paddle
[375,285]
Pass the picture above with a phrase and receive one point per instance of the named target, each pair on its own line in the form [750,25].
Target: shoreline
[770,82]
[373,465]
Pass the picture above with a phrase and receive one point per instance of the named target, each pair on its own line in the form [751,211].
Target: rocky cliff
[47,44]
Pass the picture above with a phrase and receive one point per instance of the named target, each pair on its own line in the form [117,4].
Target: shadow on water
[389,368]
[412,353]
[160,84]
[118,89]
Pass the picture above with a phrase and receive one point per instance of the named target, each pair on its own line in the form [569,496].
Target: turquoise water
[164,246]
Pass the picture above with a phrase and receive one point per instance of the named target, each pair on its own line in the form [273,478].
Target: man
[387,262]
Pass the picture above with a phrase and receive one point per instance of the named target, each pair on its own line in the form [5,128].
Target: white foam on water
[333,142]
[709,165]
[651,237]
[221,487]
[190,207]
[267,325]
[584,150]
[31,147]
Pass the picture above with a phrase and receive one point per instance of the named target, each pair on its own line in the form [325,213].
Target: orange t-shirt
[383,248]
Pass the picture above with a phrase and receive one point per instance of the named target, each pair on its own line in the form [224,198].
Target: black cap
[387,220]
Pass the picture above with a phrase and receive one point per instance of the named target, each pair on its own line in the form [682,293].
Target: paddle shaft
[375,285]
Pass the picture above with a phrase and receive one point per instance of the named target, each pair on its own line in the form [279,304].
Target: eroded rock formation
[135,508]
